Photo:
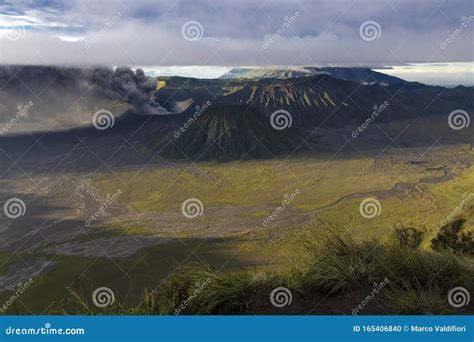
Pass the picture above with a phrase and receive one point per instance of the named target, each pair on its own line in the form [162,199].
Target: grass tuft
[417,280]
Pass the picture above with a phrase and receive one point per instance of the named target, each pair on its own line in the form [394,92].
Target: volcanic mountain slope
[359,75]
[257,73]
[231,132]
[364,76]
[322,100]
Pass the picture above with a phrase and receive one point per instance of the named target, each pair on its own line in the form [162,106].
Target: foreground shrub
[408,237]
[339,264]
[417,281]
[452,237]
[417,300]
[196,289]
[342,264]
[410,268]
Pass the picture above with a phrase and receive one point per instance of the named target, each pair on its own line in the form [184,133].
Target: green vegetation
[340,264]
[452,237]
[248,259]
[415,281]
[244,193]
[126,276]
[410,237]
[419,301]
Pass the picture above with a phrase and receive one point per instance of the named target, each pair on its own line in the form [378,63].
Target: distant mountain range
[241,107]
[364,76]
[237,121]
[319,100]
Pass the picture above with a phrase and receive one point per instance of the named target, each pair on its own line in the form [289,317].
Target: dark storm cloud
[248,32]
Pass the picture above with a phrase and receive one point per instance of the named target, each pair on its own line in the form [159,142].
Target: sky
[213,34]
[442,74]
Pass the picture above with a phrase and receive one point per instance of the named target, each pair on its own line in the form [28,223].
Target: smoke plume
[131,86]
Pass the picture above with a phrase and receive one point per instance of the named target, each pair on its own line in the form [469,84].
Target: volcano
[227,132]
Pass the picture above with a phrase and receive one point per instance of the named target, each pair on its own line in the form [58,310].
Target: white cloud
[149,33]
[71,39]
